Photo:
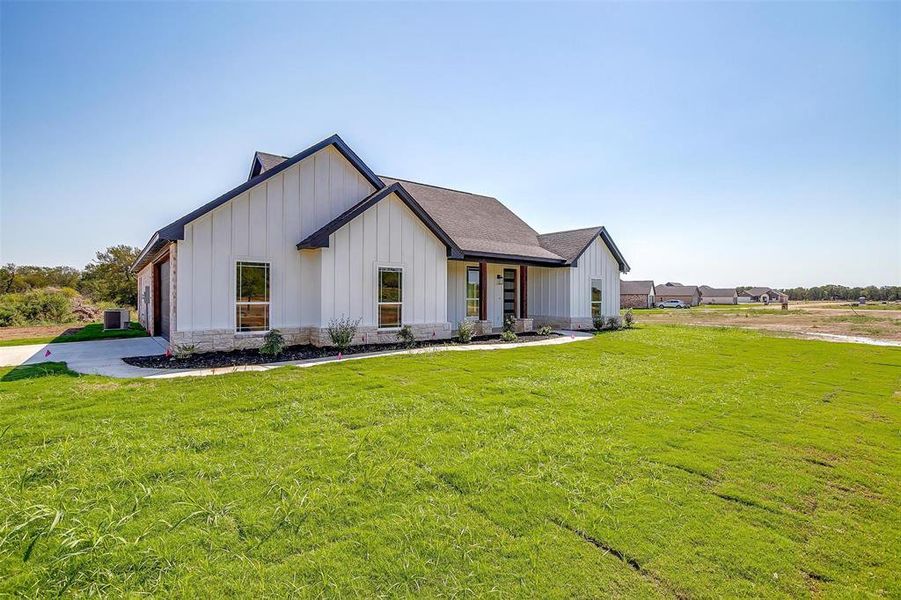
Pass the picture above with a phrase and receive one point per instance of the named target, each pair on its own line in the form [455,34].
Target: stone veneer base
[226,339]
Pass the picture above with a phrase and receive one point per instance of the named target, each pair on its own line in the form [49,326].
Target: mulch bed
[211,360]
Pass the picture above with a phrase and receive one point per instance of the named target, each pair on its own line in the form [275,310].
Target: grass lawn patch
[93,331]
[660,461]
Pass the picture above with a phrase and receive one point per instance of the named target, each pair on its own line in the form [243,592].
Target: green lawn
[657,462]
[94,331]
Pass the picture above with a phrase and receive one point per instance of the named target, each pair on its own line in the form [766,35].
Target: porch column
[523,291]
[483,291]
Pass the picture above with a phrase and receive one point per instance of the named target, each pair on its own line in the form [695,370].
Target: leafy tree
[22,278]
[8,279]
[108,277]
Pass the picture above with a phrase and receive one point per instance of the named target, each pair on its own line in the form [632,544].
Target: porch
[488,294]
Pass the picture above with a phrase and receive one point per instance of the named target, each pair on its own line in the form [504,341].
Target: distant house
[636,294]
[762,294]
[689,294]
[711,295]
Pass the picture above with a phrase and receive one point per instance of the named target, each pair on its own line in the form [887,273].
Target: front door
[161,300]
[509,293]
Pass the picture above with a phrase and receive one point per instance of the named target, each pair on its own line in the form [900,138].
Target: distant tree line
[104,279]
[841,292]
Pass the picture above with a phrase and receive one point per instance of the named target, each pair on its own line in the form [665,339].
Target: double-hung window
[473,283]
[251,296]
[390,298]
[595,297]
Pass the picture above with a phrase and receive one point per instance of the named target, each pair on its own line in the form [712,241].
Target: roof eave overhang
[514,259]
[150,251]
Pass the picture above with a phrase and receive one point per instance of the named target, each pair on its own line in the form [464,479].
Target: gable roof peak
[572,243]
[176,230]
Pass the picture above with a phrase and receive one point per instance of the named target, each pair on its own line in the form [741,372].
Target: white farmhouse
[317,236]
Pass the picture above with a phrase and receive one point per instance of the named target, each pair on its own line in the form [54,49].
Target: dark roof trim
[255,166]
[176,230]
[514,259]
[149,253]
[602,233]
[320,239]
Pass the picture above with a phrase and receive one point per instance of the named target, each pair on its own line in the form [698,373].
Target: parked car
[672,304]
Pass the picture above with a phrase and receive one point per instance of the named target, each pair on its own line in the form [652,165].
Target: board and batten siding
[549,292]
[264,224]
[386,235]
[595,263]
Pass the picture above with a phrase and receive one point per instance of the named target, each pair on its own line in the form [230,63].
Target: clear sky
[720,143]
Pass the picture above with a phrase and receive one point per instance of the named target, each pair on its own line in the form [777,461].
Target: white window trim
[592,302]
[403,293]
[466,298]
[235,302]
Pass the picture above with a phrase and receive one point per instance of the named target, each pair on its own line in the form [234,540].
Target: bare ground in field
[800,319]
[15,333]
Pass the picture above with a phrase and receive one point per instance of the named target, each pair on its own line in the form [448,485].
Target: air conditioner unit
[116,318]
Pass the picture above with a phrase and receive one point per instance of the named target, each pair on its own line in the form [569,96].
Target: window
[252,296]
[473,283]
[391,293]
[595,297]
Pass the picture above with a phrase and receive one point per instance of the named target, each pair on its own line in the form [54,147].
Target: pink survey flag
[47,353]
[340,356]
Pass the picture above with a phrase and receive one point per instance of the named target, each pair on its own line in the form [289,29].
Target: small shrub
[8,315]
[406,337]
[509,320]
[598,321]
[184,350]
[342,331]
[629,319]
[545,330]
[508,336]
[613,323]
[465,329]
[273,344]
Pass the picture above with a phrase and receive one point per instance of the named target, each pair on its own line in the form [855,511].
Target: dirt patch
[234,358]
[16,333]
[801,319]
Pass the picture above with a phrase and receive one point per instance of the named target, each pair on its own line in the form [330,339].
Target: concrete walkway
[565,338]
[105,357]
[100,357]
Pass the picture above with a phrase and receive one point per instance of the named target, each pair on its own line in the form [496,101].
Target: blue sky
[719,143]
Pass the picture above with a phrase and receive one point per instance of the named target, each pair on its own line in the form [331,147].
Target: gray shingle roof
[676,290]
[757,291]
[636,287]
[706,290]
[478,224]
[268,161]
[568,244]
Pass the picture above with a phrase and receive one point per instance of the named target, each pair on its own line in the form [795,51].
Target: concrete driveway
[101,357]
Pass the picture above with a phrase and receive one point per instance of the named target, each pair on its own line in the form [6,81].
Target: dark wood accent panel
[483,291]
[523,292]
[160,284]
